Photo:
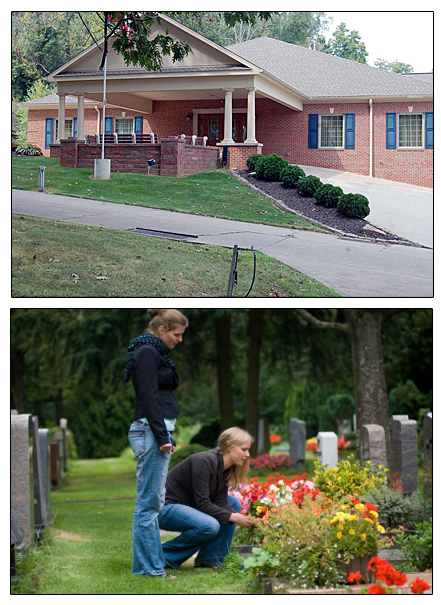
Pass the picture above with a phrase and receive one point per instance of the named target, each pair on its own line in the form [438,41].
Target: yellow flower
[352,532]
[339,534]
[341,526]
[380,528]
[359,507]
[363,536]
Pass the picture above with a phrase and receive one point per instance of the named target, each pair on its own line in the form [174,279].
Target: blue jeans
[200,532]
[151,473]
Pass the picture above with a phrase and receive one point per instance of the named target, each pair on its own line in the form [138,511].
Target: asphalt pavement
[352,268]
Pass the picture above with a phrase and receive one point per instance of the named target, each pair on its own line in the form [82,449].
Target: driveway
[405,210]
[352,268]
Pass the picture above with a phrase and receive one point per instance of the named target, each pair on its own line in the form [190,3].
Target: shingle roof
[53,100]
[318,75]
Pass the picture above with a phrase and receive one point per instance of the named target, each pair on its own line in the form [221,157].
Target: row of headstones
[403,467]
[38,464]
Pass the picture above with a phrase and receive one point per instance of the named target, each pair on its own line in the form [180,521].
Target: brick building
[261,96]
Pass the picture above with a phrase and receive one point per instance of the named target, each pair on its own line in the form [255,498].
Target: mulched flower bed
[308,207]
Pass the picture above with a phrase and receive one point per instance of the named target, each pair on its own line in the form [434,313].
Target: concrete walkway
[405,210]
[352,268]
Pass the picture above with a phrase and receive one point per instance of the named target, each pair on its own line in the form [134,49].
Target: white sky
[405,36]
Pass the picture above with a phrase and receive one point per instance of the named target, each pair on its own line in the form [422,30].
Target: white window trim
[66,120]
[126,118]
[320,146]
[423,131]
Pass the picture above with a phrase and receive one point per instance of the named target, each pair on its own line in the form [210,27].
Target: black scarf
[146,339]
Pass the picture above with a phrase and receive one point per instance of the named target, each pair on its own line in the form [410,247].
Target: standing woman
[151,433]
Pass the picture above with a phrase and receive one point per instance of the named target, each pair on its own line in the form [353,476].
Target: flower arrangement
[271,463]
[387,577]
[311,444]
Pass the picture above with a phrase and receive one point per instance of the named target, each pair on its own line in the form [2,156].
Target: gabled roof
[53,99]
[319,75]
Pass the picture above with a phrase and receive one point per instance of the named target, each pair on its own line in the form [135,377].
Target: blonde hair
[230,438]
[168,318]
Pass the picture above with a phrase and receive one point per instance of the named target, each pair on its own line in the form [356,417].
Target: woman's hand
[168,448]
[243,520]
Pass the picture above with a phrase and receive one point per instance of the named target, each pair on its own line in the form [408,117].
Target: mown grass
[214,193]
[61,259]
[88,548]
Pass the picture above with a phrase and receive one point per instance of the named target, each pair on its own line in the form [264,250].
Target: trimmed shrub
[354,205]
[252,161]
[290,175]
[328,195]
[308,185]
[184,452]
[28,150]
[269,167]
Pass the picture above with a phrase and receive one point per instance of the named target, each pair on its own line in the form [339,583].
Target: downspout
[371,139]
[98,119]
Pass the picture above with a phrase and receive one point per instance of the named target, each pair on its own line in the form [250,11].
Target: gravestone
[63,428]
[43,437]
[327,448]
[263,443]
[373,445]
[428,455]
[56,462]
[22,481]
[404,453]
[297,442]
[39,502]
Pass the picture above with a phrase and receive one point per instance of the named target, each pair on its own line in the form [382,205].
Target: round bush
[269,167]
[354,205]
[328,195]
[290,175]
[308,185]
[28,149]
[252,161]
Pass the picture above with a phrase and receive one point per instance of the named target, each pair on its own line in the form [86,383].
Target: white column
[61,116]
[80,118]
[228,121]
[251,117]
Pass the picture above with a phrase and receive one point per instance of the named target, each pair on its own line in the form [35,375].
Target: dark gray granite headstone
[373,445]
[63,428]
[327,448]
[43,437]
[404,453]
[428,455]
[22,482]
[40,505]
[263,443]
[297,442]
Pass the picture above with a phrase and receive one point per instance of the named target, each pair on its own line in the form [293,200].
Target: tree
[255,329]
[396,66]
[364,330]
[346,44]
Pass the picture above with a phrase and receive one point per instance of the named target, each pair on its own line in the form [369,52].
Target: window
[331,131]
[410,130]
[68,128]
[124,125]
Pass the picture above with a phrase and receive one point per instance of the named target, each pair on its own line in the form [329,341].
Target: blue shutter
[313,131]
[350,131]
[138,125]
[429,130]
[48,132]
[108,128]
[74,127]
[391,131]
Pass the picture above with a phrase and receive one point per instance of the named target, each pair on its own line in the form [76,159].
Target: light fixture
[123,113]
[410,108]
[331,110]
[188,117]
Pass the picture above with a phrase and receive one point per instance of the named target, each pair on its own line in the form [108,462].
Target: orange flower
[354,577]
[376,589]
[275,438]
[419,586]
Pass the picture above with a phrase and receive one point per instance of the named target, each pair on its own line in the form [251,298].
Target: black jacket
[200,481]
[154,381]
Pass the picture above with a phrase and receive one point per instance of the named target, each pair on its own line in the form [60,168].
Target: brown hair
[227,440]
[168,318]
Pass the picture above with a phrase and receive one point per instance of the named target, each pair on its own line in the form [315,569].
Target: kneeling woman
[198,505]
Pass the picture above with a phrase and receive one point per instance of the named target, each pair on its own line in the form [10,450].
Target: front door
[212,126]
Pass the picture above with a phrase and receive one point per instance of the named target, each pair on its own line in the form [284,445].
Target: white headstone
[327,448]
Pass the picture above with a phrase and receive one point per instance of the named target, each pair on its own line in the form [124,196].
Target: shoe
[169,576]
[206,565]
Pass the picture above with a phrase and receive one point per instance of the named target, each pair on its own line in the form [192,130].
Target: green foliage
[417,548]
[28,149]
[396,508]
[348,477]
[252,161]
[269,167]
[334,410]
[328,195]
[308,185]
[304,402]
[209,433]
[407,399]
[290,175]
[346,44]
[232,564]
[354,205]
[184,452]
[261,564]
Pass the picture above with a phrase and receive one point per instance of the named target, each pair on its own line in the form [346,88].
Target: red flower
[376,589]
[275,438]
[419,586]
[354,577]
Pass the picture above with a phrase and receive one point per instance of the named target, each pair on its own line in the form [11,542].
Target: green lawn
[210,193]
[88,549]
[61,259]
